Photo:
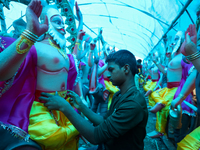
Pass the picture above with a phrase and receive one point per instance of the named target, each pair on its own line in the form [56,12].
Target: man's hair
[139,61]
[123,57]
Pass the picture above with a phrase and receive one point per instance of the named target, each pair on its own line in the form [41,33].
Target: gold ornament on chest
[61,51]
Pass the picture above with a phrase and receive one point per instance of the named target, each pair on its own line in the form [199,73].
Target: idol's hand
[189,45]
[92,46]
[33,12]
[100,33]
[54,102]
[78,13]
[155,58]
[75,100]
[87,44]
[81,33]
[176,102]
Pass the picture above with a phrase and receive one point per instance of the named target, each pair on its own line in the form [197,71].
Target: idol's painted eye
[58,22]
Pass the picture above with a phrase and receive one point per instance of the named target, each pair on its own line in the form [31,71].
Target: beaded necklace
[61,51]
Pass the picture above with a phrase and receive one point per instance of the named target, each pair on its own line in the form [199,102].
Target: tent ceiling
[136,25]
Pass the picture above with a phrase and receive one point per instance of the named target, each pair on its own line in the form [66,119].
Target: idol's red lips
[62,30]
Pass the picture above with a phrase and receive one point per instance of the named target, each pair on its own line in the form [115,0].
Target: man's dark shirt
[197,85]
[124,127]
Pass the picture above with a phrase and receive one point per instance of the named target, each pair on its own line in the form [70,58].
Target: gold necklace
[61,51]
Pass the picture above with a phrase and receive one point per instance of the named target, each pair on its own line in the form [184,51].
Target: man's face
[116,74]
[58,23]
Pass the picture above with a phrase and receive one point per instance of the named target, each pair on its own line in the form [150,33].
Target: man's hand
[33,12]
[54,102]
[75,100]
[81,33]
[189,45]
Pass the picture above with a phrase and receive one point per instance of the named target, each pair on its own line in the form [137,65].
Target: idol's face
[58,23]
[176,38]
[169,51]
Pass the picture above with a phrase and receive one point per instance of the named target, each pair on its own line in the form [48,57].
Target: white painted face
[56,30]
[58,23]
[178,39]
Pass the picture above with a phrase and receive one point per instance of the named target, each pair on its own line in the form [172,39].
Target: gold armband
[25,41]
[78,45]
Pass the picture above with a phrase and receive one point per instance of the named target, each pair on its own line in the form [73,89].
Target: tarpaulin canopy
[135,25]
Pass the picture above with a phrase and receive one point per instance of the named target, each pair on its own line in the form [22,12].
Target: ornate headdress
[66,11]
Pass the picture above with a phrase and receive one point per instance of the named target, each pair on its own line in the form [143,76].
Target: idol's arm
[80,18]
[78,45]
[91,55]
[102,70]
[137,81]
[188,87]
[13,56]
[196,62]
[159,82]
[86,48]
[160,67]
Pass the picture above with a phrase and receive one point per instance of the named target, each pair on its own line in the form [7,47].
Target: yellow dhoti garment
[112,89]
[141,80]
[52,131]
[191,141]
[164,96]
[147,85]
[151,101]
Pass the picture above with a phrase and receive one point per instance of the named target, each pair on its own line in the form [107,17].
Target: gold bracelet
[32,34]
[25,41]
[78,45]
[33,39]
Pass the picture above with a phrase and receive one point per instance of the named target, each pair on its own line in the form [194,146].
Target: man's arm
[93,117]
[55,102]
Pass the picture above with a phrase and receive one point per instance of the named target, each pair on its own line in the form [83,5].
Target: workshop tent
[135,25]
